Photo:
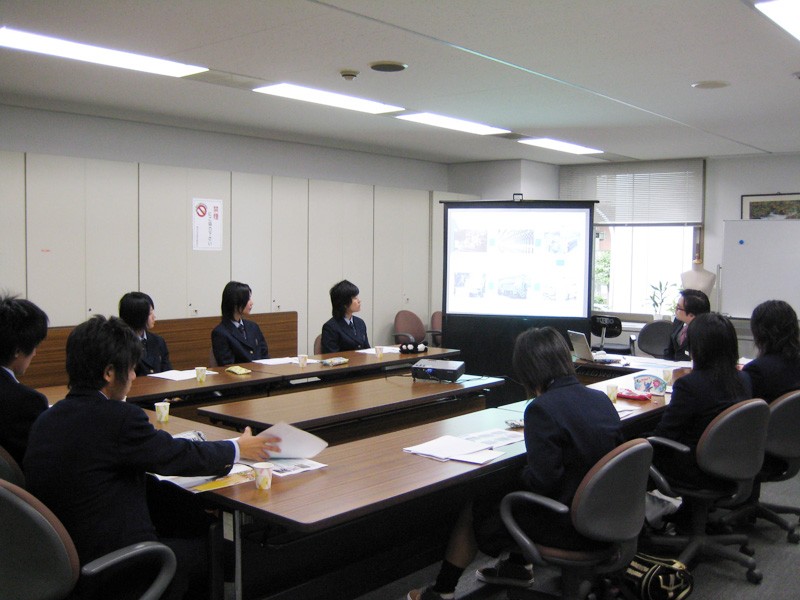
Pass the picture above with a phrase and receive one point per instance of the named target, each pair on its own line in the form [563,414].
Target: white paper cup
[667,376]
[263,475]
[162,412]
[612,390]
[200,374]
[379,352]
[302,359]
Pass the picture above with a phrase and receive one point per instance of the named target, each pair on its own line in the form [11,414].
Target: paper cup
[263,475]
[611,390]
[302,359]
[162,412]
[379,352]
[667,376]
[200,373]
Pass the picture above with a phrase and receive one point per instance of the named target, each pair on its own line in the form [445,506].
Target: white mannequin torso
[698,278]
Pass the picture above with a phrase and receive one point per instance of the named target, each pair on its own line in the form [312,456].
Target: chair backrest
[408,325]
[654,338]
[10,470]
[609,504]
[318,344]
[606,326]
[732,445]
[784,421]
[39,560]
[436,325]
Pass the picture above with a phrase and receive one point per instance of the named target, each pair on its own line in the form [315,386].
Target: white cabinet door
[402,257]
[251,235]
[340,247]
[12,225]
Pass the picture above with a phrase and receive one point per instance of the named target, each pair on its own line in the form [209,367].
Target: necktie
[682,335]
[240,326]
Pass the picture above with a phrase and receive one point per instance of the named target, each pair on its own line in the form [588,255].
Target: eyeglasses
[680,308]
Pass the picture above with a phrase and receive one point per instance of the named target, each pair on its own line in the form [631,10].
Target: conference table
[263,378]
[350,410]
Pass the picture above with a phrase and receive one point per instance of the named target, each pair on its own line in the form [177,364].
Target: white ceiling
[610,74]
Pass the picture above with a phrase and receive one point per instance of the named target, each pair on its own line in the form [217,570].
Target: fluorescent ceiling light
[31,42]
[785,13]
[551,144]
[298,92]
[451,123]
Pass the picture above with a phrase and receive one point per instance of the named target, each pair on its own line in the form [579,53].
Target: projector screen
[518,258]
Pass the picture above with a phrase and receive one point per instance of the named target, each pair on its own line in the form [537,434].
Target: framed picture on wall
[771,206]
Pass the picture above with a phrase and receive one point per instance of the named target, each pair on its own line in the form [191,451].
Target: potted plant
[659,296]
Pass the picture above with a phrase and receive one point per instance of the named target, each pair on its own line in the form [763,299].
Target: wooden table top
[329,405]
[367,475]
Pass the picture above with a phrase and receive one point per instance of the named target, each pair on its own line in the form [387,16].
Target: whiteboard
[760,261]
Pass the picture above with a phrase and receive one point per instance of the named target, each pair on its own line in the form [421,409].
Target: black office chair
[654,337]
[730,452]
[39,560]
[10,470]
[781,463]
[597,513]
[604,327]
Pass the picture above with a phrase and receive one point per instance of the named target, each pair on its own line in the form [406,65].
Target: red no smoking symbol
[201,210]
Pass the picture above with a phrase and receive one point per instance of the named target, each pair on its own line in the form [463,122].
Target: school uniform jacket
[19,407]
[338,336]
[677,351]
[231,346]
[772,375]
[155,358]
[86,460]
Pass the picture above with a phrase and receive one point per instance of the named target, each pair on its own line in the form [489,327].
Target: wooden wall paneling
[12,225]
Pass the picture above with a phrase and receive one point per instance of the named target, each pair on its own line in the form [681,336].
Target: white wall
[500,180]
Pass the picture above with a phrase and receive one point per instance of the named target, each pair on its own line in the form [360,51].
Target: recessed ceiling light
[552,144]
[451,123]
[785,13]
[42,44]
[298,92]
[388,66]
[709,85]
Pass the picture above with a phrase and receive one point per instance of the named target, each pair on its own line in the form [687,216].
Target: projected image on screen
[517,261]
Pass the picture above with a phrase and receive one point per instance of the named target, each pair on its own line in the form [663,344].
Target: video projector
[439,370]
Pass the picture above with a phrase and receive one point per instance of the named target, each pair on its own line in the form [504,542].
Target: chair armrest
[661,483]
[515,499]
[668,443]
[632,344]
[399,335]
[132,554]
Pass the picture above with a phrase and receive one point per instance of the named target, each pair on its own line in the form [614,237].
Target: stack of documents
[475,448]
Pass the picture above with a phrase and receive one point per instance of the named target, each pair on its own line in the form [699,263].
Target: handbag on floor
[653,578]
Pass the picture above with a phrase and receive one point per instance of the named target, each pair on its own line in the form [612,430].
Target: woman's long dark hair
[775,329]
[715,348]
[540,356]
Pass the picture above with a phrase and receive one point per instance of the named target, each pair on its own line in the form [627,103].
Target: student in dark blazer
[568,428]
[23,326]
[713,385]
[344,331]
[235,339]
[88,455]
[691,303]
[776,334]
[138,311]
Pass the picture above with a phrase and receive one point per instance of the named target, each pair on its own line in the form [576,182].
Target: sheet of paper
[478,458]
[309,361]
[495,438]
[290,466]
[295,443]
[446,447]
[386,350]
[286,360]
[175,375]
[238,474]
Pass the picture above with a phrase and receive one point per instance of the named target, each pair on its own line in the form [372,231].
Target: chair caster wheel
[793,536]
[754,576]
[748,550]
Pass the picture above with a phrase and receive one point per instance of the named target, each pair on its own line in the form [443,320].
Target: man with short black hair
[690,304]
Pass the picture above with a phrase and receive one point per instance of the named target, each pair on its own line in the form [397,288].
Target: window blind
[638,193]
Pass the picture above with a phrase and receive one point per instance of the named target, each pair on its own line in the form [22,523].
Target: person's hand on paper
[256,447]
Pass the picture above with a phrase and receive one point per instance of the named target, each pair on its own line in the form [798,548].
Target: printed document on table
[386,350]
[286,360]
[175,375]
[446,447]
[295,443]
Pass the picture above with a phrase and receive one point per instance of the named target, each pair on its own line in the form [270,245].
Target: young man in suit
[344,331]
[138,311]
[691,303]
[235,339]
[23,326]
[88,455]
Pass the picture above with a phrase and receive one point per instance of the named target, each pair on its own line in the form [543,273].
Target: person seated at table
[23,326]
[235,339]
[138,311]
[568,428]
[88,455]
[713,385]
[691,303]
[344,331]
[776,334]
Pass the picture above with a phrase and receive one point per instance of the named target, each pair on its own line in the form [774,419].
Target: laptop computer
[582,350]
